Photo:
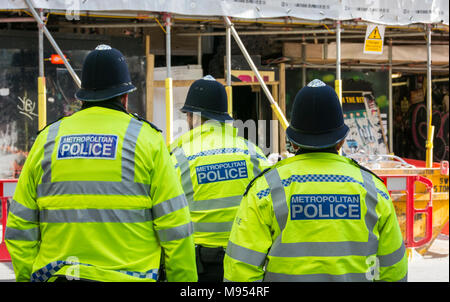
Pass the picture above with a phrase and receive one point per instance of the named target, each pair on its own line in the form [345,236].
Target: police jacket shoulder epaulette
[254,179]
[145,121]
[365,169]
[49,124]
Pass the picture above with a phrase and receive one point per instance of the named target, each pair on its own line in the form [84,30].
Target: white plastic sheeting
[391,12]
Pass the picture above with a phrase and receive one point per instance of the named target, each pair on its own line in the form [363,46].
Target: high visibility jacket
[215,166]
[98,198]
[316,217]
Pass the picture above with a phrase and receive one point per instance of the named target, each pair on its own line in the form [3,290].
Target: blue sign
[221,172]
[325,206]
[99,146]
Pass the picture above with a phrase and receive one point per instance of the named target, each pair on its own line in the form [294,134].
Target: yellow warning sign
[375,34]
[374,39]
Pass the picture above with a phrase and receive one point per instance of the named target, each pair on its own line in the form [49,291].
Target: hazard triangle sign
[375,34]
[373,43]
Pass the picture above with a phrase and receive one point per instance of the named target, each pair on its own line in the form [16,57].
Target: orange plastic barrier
[445,230]
[7,187]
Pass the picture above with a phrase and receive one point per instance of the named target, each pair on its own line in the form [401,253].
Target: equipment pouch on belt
[206,255]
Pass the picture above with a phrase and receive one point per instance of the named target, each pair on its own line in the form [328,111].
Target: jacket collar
[212,126]
[113,104]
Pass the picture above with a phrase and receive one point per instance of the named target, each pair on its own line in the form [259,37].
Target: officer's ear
[340,144]
[190,119]
[124,100]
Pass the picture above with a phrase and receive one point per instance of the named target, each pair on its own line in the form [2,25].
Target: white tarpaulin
[391,12]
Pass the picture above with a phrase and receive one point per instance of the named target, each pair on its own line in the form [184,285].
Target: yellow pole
[169,110]
[430,127]
[429,146]
[338,89]
[42,103]
[229,90]
[277,110]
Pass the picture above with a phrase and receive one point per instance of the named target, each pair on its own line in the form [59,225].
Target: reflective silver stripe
[46,163]
[175,233]
[93,188]
[128,149]
[218,203]
[211,227]
[245,255]
[371,201]
[322,249]
[95,215]
[392,258]
[186,181]
[278,197]
[169,206]
[33,234]
[351,277]
[253,158]
[23,212]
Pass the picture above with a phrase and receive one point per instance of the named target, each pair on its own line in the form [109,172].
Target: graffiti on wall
[26,107]
[441,131]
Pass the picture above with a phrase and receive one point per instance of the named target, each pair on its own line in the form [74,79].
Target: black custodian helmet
[317,121]
[105,75]
[208,97]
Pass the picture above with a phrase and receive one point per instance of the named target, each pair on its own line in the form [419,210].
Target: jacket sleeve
[391,256]
[171,217]
[22,233]
[250,240]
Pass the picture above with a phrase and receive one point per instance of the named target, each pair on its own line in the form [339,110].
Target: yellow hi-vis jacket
[215,166]
[316,217]
[98,198]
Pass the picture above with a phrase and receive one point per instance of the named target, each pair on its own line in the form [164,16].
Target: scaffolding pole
[276,109]
[338,81]
[430,127]
[228,87]
[53,42]
[168,82]
[304,62]
[42,99]
[391,102]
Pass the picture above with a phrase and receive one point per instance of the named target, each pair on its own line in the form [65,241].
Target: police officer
[215,166]
[317,216]
[98,197]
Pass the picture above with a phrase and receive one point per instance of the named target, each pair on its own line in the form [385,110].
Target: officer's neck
[110,104]
[328,150]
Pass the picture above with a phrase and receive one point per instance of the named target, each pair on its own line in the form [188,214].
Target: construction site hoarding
[382,11]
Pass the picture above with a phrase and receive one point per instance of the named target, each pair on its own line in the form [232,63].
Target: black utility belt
[210,255]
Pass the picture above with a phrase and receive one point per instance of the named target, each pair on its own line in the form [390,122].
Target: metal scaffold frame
[230,30]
